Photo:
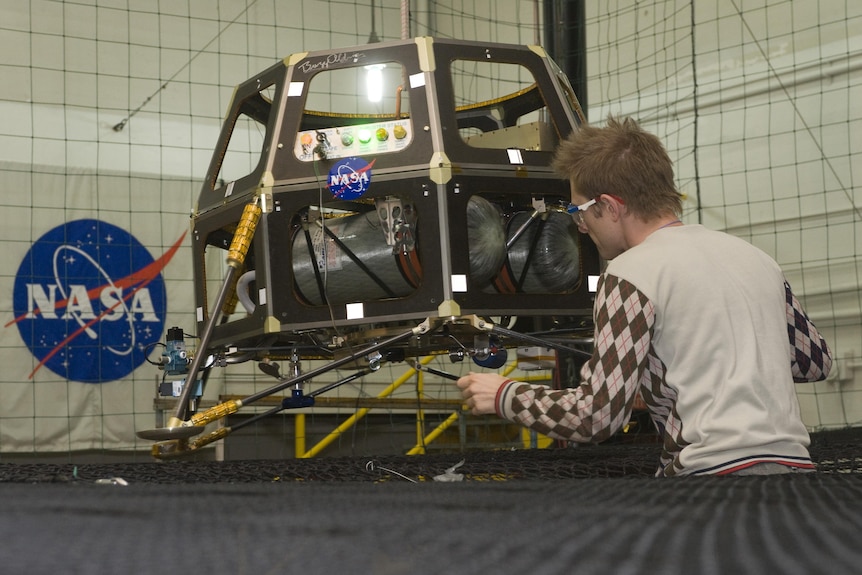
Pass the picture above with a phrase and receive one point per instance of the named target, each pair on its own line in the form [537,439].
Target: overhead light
[374,82]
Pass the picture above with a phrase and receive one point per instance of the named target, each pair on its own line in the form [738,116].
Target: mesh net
[111,111]
[835,452]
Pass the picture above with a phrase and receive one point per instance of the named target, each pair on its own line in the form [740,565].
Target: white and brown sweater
[704,326]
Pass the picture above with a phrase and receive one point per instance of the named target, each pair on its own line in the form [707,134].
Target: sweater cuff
[501,400]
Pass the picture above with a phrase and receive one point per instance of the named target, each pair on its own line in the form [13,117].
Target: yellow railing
[353,419]
[529,439]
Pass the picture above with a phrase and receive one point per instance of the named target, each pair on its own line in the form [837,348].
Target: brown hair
[621,160]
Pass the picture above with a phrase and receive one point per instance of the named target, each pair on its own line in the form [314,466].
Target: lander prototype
[381,203]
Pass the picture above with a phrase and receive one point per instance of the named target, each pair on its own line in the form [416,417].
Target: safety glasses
[578,211]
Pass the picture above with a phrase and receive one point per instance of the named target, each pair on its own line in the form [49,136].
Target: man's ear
[613,206]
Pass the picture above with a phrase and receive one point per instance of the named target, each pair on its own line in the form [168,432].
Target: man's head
[624,162]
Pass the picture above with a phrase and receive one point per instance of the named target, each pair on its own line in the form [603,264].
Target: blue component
[496,358]
[176,357]
[176,363]
[297,400]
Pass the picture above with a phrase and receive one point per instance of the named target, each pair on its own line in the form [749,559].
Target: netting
[755,103]
[834,452]
[111,111]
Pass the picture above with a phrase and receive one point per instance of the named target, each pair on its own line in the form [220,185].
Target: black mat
[577,510]
[838,451]
[781,524]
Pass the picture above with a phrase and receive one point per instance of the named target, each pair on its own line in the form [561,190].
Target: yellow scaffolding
[364,405]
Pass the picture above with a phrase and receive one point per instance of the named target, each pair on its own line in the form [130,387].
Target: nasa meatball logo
[89,301]
[349,179]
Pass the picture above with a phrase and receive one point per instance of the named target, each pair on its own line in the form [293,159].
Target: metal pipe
[230,407]
[565,40]
[535,340]
[236,257]
[520,231]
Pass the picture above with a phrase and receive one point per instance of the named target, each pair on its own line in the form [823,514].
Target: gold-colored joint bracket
[244,233]
[216,412]
[175,422]
[215,435]
[172,448]
[181,447]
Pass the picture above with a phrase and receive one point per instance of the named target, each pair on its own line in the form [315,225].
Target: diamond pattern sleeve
[602,403]
[810,357]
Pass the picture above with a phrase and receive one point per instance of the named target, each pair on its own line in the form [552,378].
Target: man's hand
[479,391]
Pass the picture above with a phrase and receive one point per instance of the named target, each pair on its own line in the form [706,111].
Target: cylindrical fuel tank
[486,235]
[349,260]
[544,258]
[361,266]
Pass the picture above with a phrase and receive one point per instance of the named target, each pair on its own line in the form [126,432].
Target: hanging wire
[118,127]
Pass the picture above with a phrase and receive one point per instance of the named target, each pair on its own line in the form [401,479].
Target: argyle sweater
[704,326]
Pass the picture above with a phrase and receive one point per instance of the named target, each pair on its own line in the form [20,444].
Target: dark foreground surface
[586,510]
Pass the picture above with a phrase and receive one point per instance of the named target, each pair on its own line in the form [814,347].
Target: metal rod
[420,367]
[521,229]
[235,259]
[332,365]
[223,432]
[230,407]
[538,341]
[340,382]
[181,410]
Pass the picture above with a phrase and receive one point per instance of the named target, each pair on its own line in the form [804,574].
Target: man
[702,324]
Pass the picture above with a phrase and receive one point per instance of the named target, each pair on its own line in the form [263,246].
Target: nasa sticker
[89,301]
[349,179]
